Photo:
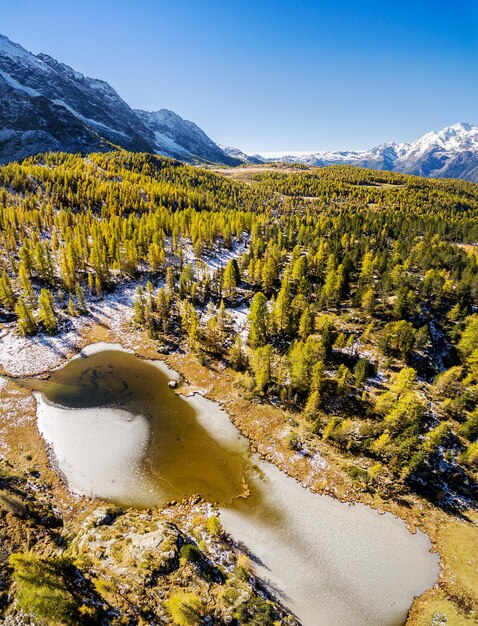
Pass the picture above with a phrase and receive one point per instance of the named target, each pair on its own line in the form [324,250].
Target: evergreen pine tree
[72,312]
[7,297]
[139,307]
[306,324]
[25,283]
[258,321]
[26,321]
[80,299]
[261,364]
[231,278]
[46,312]
[237,356]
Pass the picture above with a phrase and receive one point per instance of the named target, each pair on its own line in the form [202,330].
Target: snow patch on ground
[240,318]
[215,259]
[22,356]
[27,356]
[220,259]
[318,462]
[166,370]
[100,346]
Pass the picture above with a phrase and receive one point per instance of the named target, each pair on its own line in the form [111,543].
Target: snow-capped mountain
[46,105]
[449,153]
[177,137]
[235,153]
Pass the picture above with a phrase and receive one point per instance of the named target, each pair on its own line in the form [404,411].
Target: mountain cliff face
[449,153]
[178,137]
[46,105]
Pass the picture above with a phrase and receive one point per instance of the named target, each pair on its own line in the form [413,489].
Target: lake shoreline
[175,366]
[207,383]
[328,547]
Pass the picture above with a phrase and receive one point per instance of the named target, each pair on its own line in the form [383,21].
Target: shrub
[41,588]
[184,608]
[256,612]
[213,526]
[190,553]
[243,569]
[357,473]
[363,370]
[374,472]
[470,428]
[469,338]
[329,428]
[470,455]
[398,337]
[294,443]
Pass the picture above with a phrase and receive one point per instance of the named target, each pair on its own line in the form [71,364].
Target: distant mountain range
[47,106]
[451,153]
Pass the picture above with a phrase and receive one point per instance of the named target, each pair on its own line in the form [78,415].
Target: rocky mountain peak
[47,105]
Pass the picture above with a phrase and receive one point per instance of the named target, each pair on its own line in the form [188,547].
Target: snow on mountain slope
[46,105]
[174,135]
[235,153]
[42,77]
[450,153]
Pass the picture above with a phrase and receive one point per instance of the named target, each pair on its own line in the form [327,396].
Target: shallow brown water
[118,432]
[182,458]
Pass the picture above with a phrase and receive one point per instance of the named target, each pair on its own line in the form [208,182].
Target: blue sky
[272,76]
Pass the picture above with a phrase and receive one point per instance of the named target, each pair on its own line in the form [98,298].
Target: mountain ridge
[47,105]
[449,153]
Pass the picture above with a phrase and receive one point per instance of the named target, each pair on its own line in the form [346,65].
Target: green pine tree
[26,321]
[258,321]
[46,312]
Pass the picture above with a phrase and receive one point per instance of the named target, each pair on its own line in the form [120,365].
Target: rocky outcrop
[134,545]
